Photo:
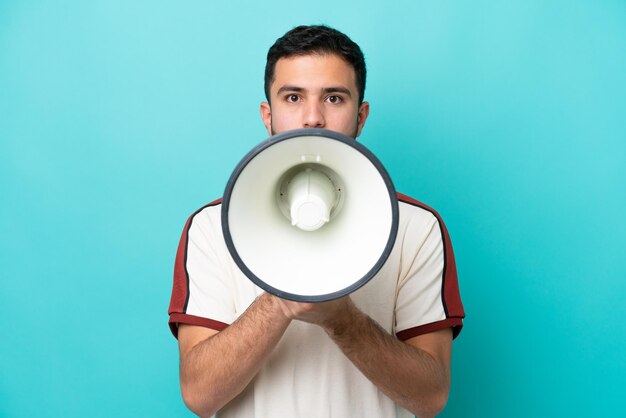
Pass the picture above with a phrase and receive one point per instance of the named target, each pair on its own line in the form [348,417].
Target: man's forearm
[411,377]
[217,369]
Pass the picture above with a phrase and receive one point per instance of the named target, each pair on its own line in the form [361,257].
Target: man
[382,351]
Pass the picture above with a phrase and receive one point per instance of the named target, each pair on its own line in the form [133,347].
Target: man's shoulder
[415,205]
[217,203]
[206,212]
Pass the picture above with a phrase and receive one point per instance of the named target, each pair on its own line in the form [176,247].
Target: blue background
[120,118]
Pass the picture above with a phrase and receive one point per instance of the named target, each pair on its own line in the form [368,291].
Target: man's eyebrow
[337,90]
[290,88]
[325,90]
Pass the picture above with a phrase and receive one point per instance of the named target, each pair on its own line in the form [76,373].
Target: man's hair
[318,39]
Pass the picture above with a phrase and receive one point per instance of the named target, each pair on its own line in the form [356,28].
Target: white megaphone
[310,215]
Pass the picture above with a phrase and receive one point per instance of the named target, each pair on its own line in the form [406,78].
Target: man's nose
[313,116]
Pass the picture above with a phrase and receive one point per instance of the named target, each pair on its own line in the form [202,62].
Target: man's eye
[292,98]
[334,99]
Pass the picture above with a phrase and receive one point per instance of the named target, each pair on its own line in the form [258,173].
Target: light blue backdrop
[120,118]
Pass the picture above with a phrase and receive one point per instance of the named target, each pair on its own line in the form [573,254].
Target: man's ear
[266,116]
[364,111]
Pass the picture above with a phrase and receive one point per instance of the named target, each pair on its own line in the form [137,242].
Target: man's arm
[415,374]
[216,367]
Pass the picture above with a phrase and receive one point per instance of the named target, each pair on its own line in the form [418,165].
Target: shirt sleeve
[428,294]
[201,293]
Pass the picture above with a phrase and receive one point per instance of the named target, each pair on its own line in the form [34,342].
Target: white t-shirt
[415,292]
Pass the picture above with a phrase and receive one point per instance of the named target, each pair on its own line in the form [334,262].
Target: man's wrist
[345,321]
[272,306]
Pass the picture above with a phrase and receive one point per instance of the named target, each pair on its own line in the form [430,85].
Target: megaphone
[310,215]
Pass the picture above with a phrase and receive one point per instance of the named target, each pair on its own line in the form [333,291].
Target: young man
[382,351]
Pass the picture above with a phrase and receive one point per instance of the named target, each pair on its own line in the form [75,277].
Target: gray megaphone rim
[295,133]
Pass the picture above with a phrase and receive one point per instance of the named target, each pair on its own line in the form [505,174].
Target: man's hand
[324,314]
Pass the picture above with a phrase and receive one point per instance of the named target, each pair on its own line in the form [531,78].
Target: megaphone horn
[310,215]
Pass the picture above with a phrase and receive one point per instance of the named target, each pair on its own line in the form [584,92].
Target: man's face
[314,91]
